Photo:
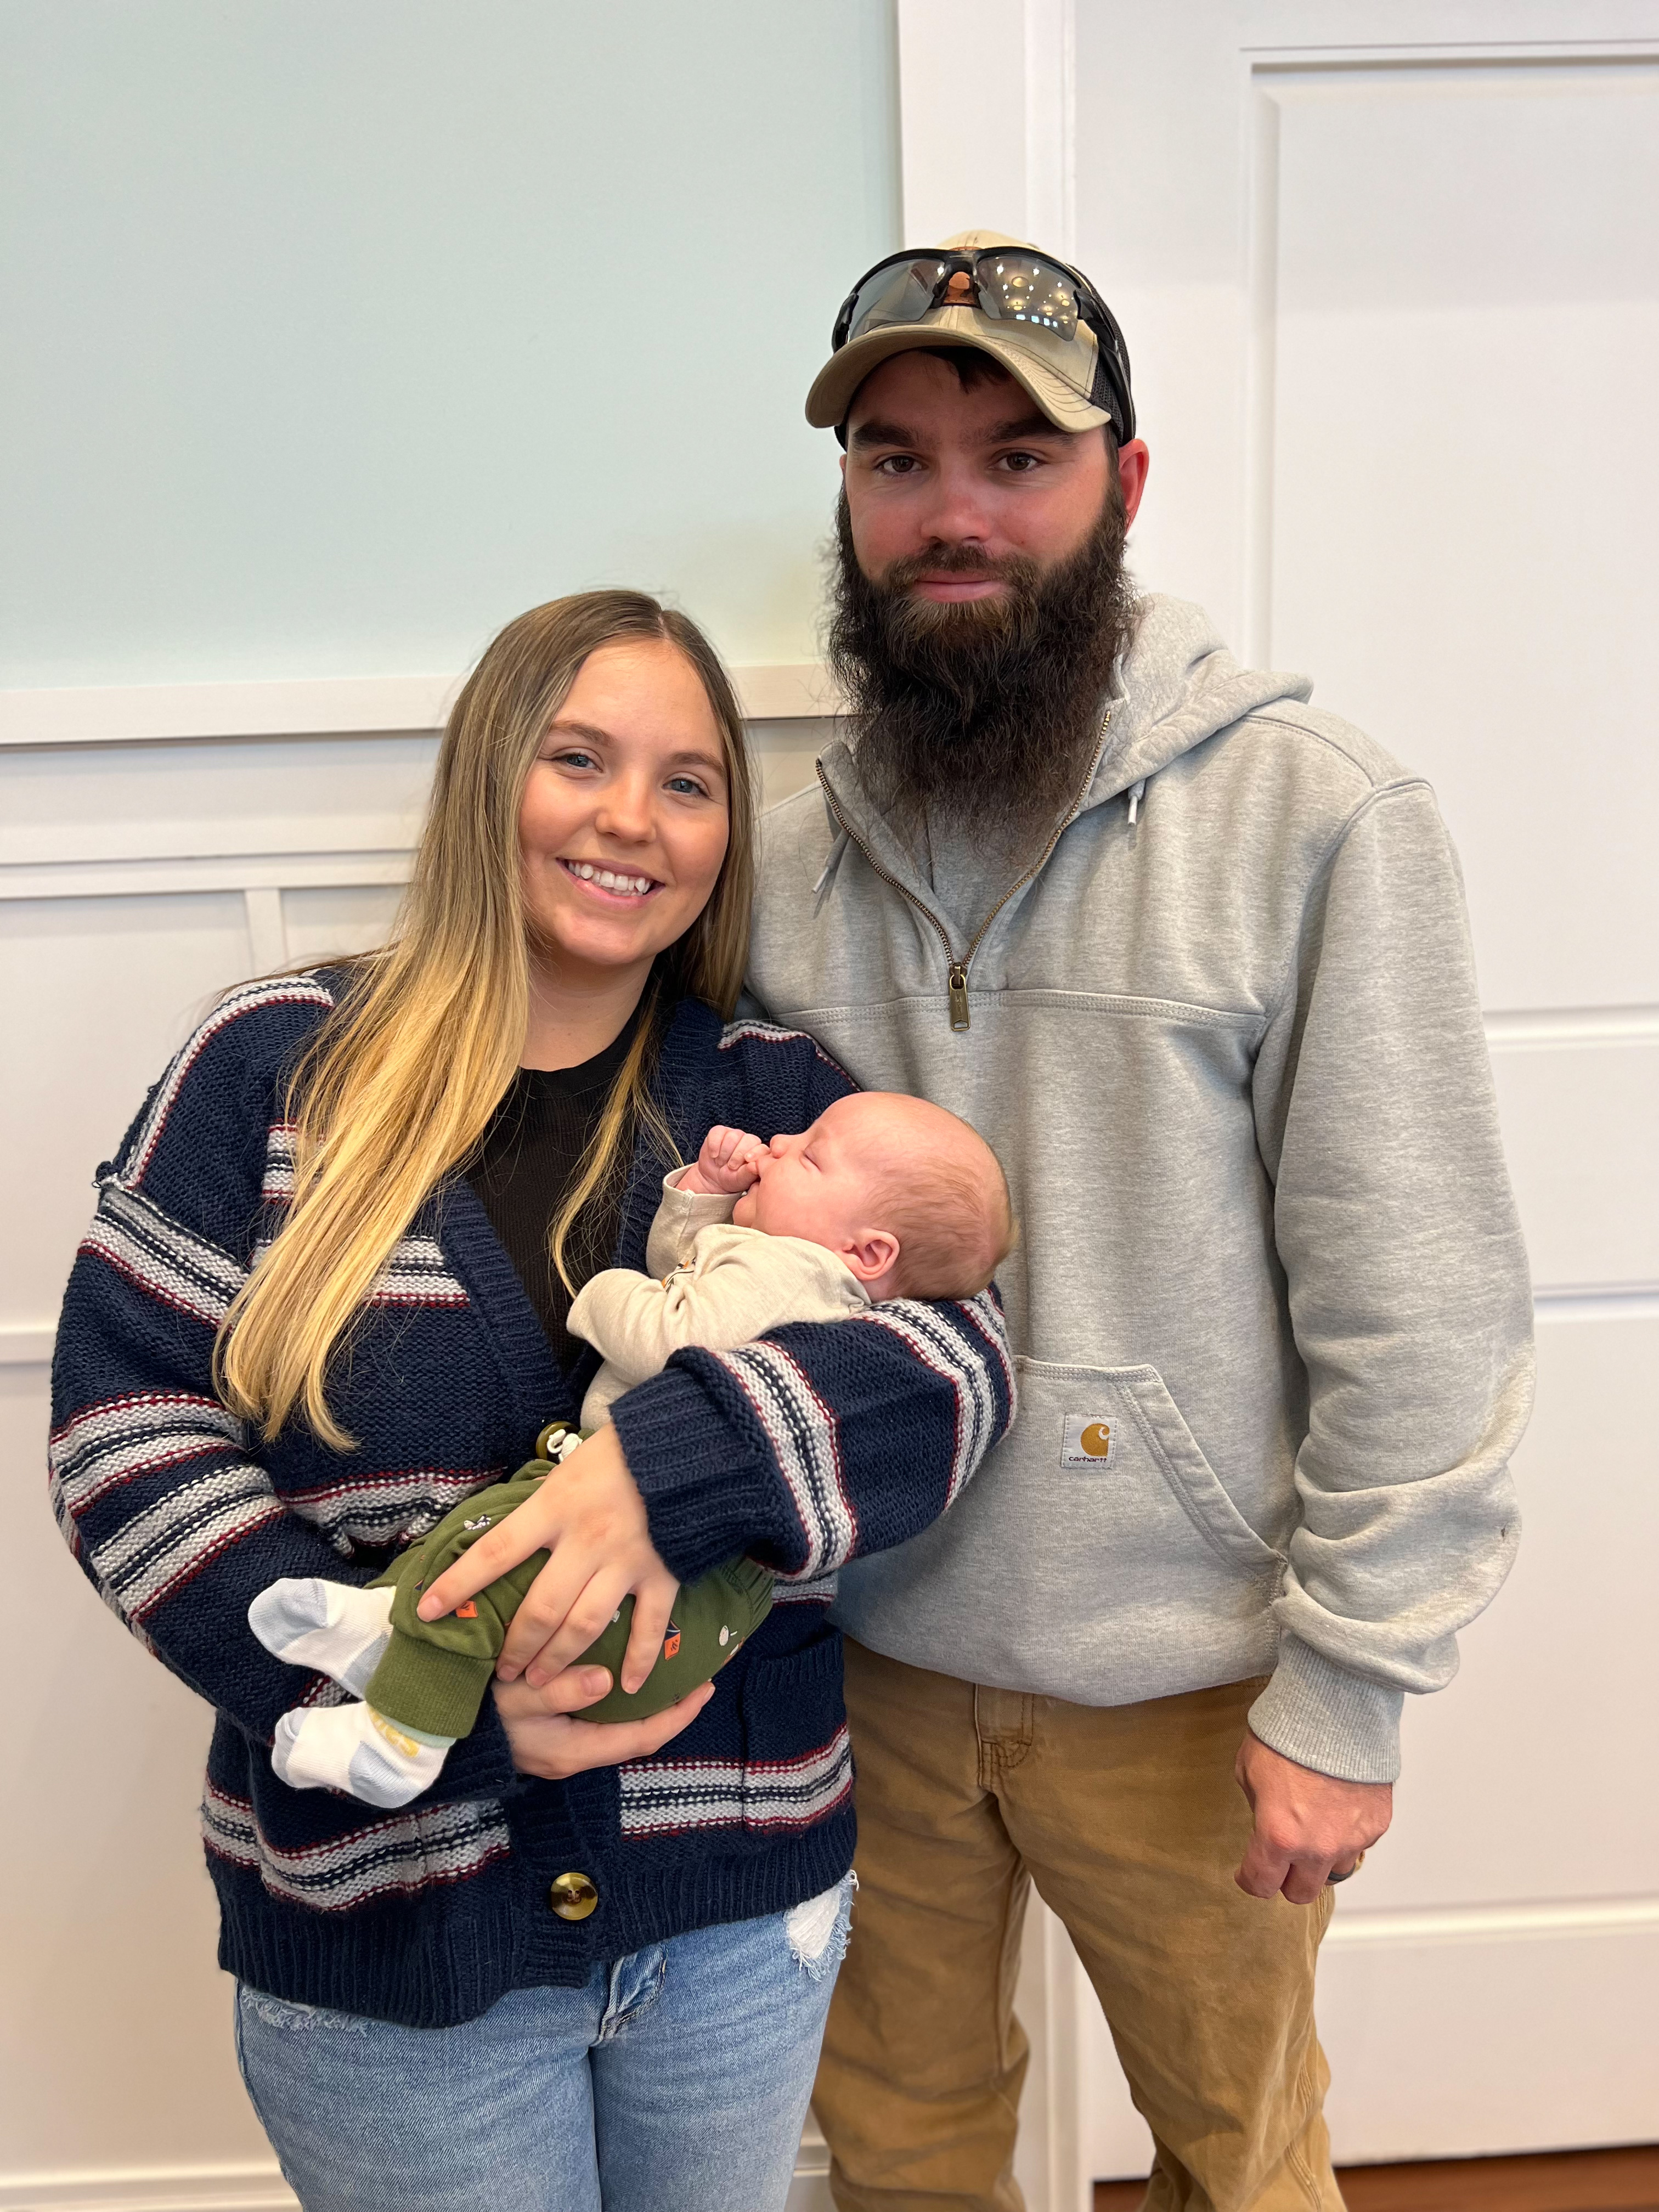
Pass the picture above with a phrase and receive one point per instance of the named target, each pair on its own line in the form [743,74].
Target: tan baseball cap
[1058,371]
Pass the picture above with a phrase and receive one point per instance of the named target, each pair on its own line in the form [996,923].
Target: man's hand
[546,1742]
[726,1161]
[1308,1825]
[590,1515]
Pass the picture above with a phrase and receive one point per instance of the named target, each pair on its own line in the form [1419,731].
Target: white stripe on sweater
[938,1345]
[174,1538]
[109,1443]
[804,1437]
[417,1275]
[278,1186]
[736,1033]
[663,1796]
[387,1509]
[398,1856]
[151,1250]
[246,999]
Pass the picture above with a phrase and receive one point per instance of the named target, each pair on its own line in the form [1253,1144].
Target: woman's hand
[590,1515]
[546,1742]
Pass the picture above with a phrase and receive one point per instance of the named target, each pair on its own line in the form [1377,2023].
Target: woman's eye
[688,785]
[570,759]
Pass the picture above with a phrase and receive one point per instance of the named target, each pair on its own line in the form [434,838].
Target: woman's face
[625,817]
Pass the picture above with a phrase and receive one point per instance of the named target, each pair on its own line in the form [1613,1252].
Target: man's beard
[980,716]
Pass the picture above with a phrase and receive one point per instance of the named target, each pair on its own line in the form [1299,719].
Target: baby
[884,1197]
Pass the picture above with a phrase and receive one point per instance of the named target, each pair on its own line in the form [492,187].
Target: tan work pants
[1129,1821]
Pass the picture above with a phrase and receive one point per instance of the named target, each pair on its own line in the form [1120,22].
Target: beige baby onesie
[708,1284]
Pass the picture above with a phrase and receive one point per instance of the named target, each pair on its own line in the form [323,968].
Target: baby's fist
[727,1161]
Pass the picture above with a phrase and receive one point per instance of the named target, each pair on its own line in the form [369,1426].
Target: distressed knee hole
[817,1928]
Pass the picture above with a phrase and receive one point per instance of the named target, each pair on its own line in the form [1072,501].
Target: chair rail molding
[323,705]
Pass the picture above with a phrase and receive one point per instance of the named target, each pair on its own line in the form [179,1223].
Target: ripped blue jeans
[676,2081]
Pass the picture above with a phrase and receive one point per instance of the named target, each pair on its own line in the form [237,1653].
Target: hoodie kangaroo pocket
[1095,1556]
[1151,1578]
[1118,1435]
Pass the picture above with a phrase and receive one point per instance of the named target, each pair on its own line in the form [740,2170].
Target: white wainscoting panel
[1463,467]
[104,986]
[1580,1130]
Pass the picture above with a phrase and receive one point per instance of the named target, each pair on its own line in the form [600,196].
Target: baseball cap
[1041,319]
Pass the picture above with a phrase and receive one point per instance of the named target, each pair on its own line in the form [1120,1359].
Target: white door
[1389,271]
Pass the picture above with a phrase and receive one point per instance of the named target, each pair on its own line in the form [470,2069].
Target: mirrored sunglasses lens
[901,292]
[1020,289]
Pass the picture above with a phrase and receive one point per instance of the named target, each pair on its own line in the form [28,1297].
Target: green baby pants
[433,1674]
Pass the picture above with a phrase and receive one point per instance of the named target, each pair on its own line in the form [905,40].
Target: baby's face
[819,1185]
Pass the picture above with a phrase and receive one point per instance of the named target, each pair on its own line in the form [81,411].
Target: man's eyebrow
[1023,427]
[877,433]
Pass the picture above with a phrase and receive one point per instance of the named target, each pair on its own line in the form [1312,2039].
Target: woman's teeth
[609,880]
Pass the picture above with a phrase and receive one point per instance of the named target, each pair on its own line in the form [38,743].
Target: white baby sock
[353,1747]
[338,1630]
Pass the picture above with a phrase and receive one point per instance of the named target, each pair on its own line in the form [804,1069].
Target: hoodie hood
[1176,687]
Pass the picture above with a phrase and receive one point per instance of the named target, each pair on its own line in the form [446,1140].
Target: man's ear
[871,1254]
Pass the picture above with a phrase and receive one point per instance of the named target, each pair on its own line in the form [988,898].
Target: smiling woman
[324,1302]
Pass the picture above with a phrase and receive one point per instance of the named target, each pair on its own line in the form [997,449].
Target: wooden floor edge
[1624,2178]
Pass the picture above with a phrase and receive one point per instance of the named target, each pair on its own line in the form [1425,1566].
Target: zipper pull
[959,996]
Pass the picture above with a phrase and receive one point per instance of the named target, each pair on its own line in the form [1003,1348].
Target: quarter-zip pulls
[957,968]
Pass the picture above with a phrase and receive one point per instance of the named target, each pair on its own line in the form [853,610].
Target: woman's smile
[621,886]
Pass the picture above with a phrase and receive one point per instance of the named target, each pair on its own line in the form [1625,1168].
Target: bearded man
[1193,954]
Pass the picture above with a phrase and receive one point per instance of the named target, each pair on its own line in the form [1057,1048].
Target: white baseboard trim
[254,2186]
[1352,1929]
[258,2186]
[326,706]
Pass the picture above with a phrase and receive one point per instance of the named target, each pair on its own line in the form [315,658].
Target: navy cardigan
[822,1441]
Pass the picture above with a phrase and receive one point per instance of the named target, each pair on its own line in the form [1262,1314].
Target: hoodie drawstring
[1136,792]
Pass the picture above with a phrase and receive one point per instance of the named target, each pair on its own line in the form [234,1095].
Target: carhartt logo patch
[1087,1441]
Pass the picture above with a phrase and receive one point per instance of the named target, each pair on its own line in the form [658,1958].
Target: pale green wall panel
[339,331]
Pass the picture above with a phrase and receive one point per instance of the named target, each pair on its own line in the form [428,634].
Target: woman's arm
[159,1493]
[825,1440]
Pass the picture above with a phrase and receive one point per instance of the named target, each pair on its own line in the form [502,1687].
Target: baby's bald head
[936,1184]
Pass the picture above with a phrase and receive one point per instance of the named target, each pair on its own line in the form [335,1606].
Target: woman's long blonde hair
[399,1084]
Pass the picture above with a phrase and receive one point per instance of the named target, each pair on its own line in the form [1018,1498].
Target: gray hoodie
[1271,1303]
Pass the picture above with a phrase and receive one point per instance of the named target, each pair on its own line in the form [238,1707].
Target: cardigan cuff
[709,1494]
[1327,1718]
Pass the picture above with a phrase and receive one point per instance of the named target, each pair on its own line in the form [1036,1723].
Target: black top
[527,1161]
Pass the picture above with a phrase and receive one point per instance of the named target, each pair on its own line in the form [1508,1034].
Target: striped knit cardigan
[819,1442]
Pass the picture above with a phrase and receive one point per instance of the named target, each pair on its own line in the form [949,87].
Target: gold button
[572,1896]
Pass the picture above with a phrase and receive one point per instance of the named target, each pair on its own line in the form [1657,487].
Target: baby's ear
[871,1254]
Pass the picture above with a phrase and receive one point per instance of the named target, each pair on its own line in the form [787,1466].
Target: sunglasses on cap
[1006,284]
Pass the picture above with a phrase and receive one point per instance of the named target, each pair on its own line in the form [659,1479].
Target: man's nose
[956,514]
